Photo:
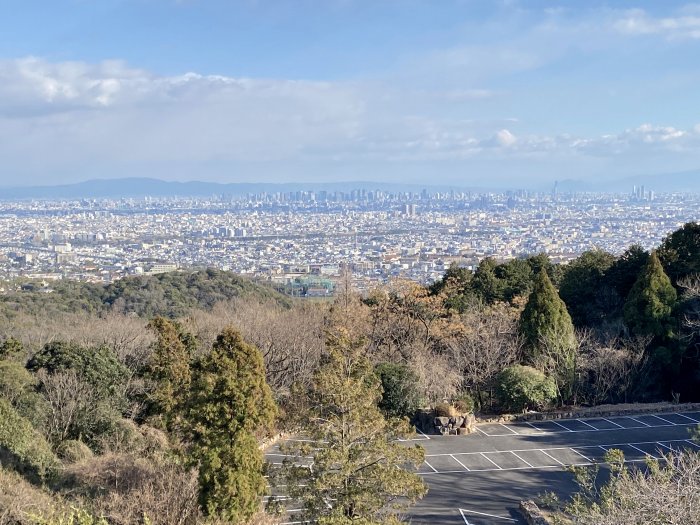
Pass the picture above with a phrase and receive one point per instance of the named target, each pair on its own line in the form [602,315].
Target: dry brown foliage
[125,488]
[19,501]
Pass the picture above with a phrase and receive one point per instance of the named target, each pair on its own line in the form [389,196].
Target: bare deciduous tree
[71,402]
[482,343]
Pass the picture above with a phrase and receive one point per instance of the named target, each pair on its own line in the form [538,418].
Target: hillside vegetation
[169,294]
[144,401]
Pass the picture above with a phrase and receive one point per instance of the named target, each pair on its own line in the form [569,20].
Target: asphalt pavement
[480,479]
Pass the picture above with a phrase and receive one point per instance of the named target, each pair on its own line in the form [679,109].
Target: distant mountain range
[142,187]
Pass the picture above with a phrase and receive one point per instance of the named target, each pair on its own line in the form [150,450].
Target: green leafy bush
[18,386]
[523,387]
[464,403]
[98,366]
[22,446]
[400,396]
[72,451]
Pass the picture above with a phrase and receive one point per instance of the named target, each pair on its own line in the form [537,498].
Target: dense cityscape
[302,241]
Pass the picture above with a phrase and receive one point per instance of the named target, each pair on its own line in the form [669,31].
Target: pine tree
[650,303]
[229,402]
[358,471]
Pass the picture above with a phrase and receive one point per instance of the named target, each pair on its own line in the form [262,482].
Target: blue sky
[450,91]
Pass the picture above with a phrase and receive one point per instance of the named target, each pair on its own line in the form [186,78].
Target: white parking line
[667,421]
[508,428]
[492,461]
[581,447]
[688,417]
[637,420]
[538,429]
[562,426]
[640,450]
[424,435]
[579,451]
[521,459]
[552,457]
[542,432]
[462,511]
[484,433]
[584,457]
[458,461]
[692,443]
[582,421]
[612,422]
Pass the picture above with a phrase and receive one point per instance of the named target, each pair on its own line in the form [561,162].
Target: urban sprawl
[303,241]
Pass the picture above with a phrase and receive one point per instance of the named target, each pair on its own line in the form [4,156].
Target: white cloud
[684,24]
[80,118]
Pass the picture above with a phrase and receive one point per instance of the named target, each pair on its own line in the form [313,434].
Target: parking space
[554,457]
[599,424]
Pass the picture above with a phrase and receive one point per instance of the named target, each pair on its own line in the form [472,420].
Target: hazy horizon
[464,93]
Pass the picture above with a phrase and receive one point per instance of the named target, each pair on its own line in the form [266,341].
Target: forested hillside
[144,401]
[169,294]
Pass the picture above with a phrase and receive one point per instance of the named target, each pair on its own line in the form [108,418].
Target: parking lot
[480,479]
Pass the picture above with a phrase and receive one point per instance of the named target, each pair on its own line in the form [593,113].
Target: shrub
[22,446]
[18,386]
[98,366]
[523,387]
[73,451]
[444,410]
[464,403]
[400,396]
[20,501]
[131,489]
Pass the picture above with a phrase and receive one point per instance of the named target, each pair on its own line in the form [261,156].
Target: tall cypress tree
[650,303]
[545,322]
[169,368]
[229,402]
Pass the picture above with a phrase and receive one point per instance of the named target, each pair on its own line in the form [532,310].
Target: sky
[459,92]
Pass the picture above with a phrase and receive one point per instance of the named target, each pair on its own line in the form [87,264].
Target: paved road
[480,479]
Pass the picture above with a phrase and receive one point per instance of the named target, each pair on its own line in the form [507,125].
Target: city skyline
[513,93]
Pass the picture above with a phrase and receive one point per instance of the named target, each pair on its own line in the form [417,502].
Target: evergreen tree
[359,470]
[680,252]
[548,333]
[582,288]
[400,391]
[486,285]
[624,271]
[649,306]
[229,402]
[168,367]
[545,323]
[517,278]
